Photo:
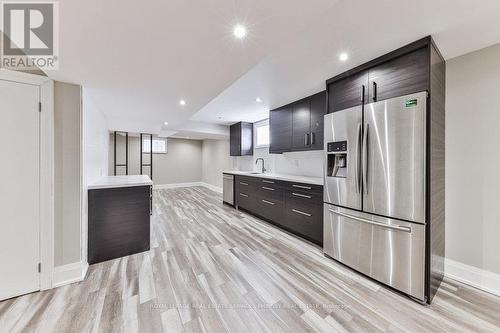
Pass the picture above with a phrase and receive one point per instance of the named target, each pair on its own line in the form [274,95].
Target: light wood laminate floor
[212,268]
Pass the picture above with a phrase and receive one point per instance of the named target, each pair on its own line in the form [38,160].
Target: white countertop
[279,176]
[121,181]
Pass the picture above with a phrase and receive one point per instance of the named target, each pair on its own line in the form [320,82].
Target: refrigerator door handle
[379,224]
[365,159]
[357,174]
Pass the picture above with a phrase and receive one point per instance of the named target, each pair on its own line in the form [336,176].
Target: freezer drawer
[388,250]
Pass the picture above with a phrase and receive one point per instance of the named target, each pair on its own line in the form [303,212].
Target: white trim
[70,273]
[46,90]
[23,77]
[47,184]
[256,125]
[473,276]
[212,187]
[178,185]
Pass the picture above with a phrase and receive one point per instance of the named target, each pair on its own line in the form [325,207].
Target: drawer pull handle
[300,212]
[302,195]
[268,188]
[302,186]
[268,202]
[241,183]
[268,181]
[244,195]
[360,219]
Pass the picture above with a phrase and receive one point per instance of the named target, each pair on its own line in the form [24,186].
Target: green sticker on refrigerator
[411,102]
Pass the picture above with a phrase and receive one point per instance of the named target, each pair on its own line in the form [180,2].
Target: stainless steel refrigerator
[375,191]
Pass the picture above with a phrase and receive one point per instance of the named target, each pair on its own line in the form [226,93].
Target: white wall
[473,159]
[95,156]
[215,159]
[181,164]
[67,173]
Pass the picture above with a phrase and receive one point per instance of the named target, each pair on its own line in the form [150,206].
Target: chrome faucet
[257,160]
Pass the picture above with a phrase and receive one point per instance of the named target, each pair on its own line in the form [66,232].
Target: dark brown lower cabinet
[119,222]
[296,207]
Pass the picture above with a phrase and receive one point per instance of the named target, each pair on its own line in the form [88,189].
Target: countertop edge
[288,178]
[120,182]
[97,187]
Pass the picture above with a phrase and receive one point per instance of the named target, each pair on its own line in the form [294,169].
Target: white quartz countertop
[121,181]
[279,176]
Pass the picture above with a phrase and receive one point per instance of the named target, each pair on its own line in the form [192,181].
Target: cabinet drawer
[312,198]
[304,188]
[270,192]
[305,219]
[245,186]
[246,179]
[246,200]
[270,209]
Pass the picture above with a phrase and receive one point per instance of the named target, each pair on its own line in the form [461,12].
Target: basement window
[262,134]
[159,145]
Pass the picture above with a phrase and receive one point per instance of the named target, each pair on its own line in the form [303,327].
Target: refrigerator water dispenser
[337,159]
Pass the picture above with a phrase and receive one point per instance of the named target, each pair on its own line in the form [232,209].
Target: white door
[19,189]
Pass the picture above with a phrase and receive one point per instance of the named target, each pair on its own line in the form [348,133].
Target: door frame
[46,203]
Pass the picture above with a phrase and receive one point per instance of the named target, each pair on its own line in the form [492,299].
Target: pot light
[182,102]
[343,56]
[258,100]
[239,31]
[165,123]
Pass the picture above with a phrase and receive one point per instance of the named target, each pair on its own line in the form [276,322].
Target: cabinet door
[235,139]
[318,109]
[348,92]
[246,139]
[301,125]
[280,130]
[405,75]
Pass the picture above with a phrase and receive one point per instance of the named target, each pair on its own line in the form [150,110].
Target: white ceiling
[363,29]
[136,60]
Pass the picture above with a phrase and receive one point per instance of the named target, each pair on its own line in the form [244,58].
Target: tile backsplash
[307,163]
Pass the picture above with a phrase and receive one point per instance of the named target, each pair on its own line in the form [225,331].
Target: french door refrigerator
[375,191]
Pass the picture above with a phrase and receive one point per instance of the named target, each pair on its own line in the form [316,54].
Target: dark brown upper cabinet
[404,75]
[398,73]
[348,92]
[280,130]
[241,139]
[318,110]
[301,125]
[298,126]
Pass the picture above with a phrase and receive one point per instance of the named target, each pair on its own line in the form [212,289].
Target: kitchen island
[119,209]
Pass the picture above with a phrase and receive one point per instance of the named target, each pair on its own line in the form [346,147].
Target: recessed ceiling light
[239,31]
[182,102]
[343,56]
[165,123]
[258,100]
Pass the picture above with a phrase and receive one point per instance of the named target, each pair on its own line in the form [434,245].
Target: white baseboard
[212,187]
[472,276]
[178,185]
[70,273]
[167,186]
